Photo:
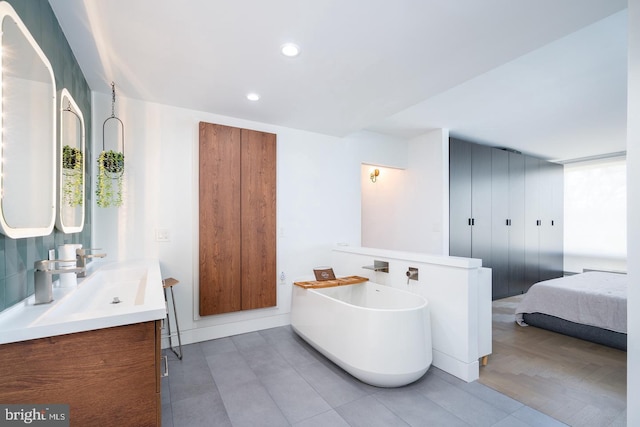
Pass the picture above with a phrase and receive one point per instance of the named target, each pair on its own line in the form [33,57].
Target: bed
[591,306]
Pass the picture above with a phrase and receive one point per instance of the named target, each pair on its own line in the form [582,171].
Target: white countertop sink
[137,285]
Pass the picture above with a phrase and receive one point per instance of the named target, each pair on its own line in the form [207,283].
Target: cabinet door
[220,228]
[481,203]
[516,224]
[551,213]
[258,200]
[500,228]
[459,198]
[108,377]
[532,220]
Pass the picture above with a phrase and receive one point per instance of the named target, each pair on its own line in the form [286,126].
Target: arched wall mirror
[28,139]
[71,166]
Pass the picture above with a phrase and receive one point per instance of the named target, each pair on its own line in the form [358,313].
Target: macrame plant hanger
[111,164]
[113,117]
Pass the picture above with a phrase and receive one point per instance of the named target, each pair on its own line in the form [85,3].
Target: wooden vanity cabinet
[109,377]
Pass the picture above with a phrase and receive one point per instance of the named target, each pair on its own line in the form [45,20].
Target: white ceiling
[545,77]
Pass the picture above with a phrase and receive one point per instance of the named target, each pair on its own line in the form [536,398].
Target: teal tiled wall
[18,255]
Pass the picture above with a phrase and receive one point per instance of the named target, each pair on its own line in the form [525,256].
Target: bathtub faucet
[412,274]
[81,259]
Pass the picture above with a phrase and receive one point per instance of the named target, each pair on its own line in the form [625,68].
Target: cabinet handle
[166,366]
[552,223]
[473,221]
[538,222]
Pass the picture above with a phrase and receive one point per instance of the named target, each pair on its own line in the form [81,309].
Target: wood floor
[574,381]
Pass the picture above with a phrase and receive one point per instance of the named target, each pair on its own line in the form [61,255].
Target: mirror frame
[65,100]
[7,12]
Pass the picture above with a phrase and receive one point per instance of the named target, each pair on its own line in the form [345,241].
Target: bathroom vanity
[102,359]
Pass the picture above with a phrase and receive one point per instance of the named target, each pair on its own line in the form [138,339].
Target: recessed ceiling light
[253,96]
[290,49]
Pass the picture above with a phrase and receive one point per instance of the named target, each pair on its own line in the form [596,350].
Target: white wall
[633,212]
[318,202]
[407,209]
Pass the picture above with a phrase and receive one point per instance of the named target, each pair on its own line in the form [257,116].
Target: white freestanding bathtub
[379,334]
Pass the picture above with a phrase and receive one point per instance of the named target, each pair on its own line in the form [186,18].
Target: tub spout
[412,274]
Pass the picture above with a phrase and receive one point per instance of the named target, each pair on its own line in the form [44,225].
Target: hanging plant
[110,165]
[72,176]
[110,173]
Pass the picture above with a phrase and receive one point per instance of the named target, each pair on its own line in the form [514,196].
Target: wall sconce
[374,175]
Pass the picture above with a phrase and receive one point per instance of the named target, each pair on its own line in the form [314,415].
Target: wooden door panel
[219,229]
[258,213]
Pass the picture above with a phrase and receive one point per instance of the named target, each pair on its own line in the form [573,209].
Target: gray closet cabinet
[545,213]
[470,200]
[521,199]
[508,225]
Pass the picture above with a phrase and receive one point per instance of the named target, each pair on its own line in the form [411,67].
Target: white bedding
[594,298]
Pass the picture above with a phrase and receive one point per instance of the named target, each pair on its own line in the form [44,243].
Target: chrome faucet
[43,285]
[412,274]
[81,259]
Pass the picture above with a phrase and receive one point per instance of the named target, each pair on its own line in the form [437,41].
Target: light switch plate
[162,235]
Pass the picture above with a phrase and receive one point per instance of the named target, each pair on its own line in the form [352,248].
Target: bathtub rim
[320,292]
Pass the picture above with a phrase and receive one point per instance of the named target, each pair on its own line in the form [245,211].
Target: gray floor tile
[446,376]
[249,405]
[620,421]
[330,418]
[536,418]
[247,341]
[230,369]
[190,377]
[221,345]
[511,421]
[204,410]
[416,409]
[334,389]
[294,353]
[469,408]
[492,397]
[273,335]
[189,351]
[167,415]
[294,396]
[165,390]
[369,412]
[264,361]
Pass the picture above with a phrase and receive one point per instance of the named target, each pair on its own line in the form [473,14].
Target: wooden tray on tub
[314,284]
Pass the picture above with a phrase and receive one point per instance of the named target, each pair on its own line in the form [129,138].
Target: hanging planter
[110,173]
[110,167]
[72,176]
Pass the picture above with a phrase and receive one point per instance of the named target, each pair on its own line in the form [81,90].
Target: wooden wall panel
[219,235]
[258,219]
